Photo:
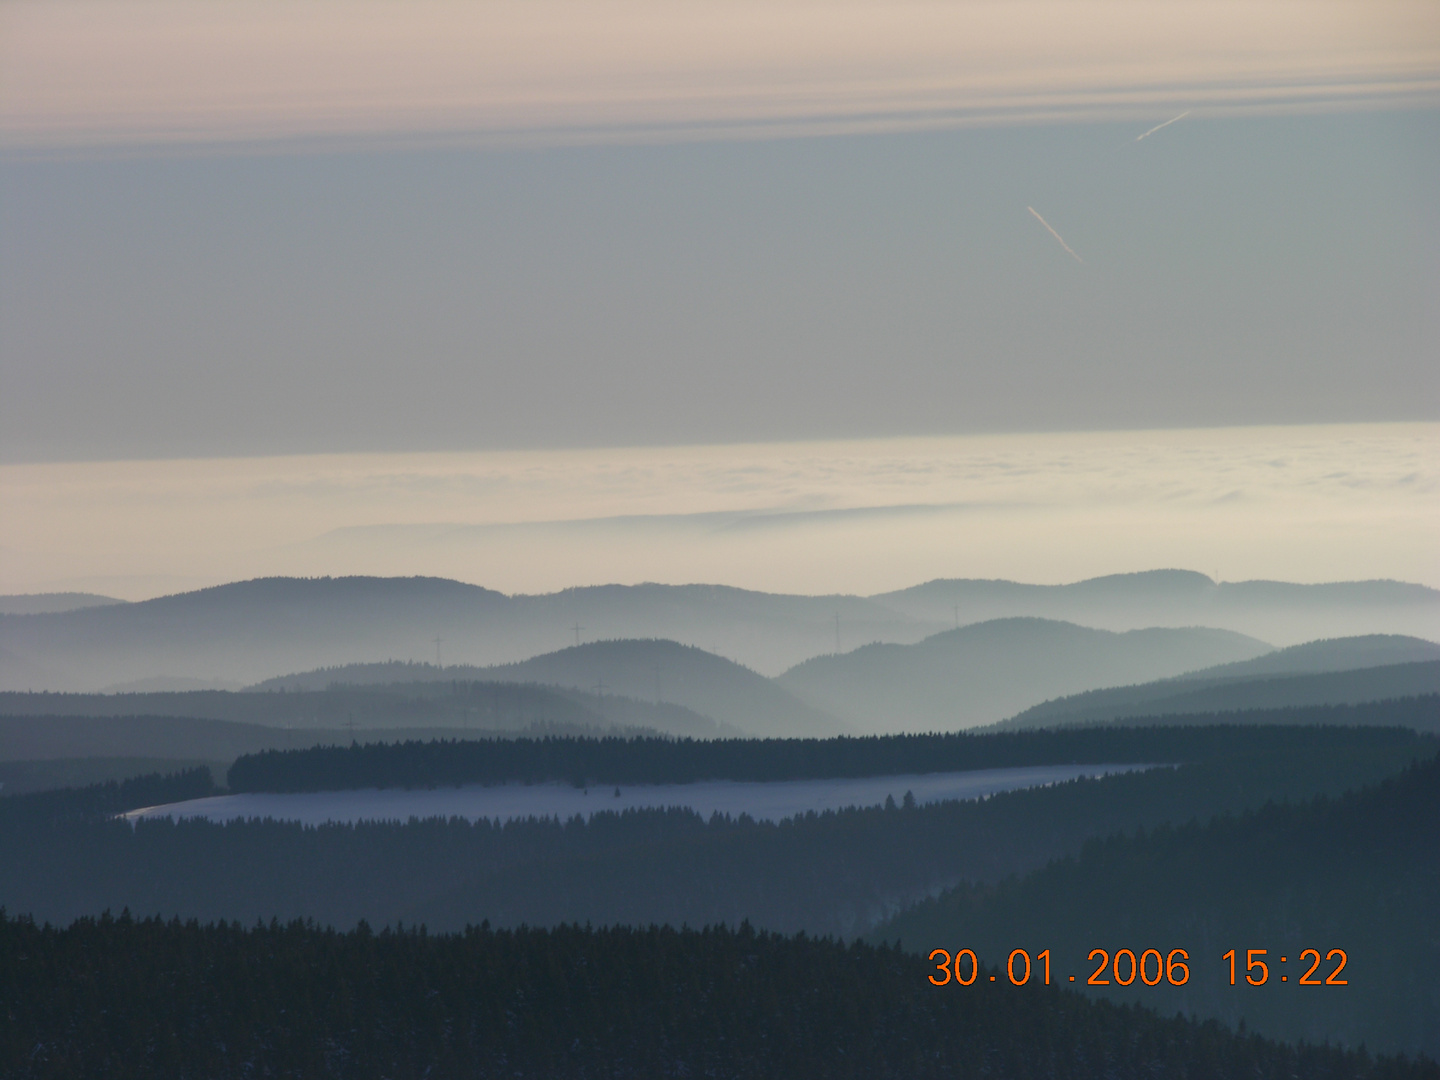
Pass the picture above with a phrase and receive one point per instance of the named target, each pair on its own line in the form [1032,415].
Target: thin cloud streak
[1306,503]
[83,73]
[1055,234]
[1166,124]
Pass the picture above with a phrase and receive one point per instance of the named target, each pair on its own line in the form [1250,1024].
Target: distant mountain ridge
[249,631]
[1281,612]
[984,672]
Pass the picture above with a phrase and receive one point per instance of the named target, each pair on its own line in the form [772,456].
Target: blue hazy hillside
[1280,612]
[981,673]
[248,631]
[254,630]
[708,684]
[1288,678]
[663,673]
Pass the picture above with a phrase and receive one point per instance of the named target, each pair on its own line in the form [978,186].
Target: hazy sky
[376,229]
[1295,503]
[1238,270]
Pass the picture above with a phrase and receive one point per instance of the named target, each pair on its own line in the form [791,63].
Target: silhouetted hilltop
[1193,695]
[980,673]
[381,673]
[709,684]
[1274,611]
[250,631]
[658,671]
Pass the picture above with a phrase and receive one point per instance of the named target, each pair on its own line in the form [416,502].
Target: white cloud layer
[1309,503]
[77,72]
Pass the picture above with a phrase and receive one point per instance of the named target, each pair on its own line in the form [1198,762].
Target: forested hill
[987,671]
[1359,873]
[1419,712]
[483,706]
[1173,697]
[100,801]
[829,873]
[1329,654]
[699,680]
[222,1001]
[654,760]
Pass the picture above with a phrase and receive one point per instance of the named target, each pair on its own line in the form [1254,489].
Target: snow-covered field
[763,801]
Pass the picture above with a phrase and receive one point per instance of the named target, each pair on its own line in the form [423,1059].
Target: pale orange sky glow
[142,71]
[1303,503]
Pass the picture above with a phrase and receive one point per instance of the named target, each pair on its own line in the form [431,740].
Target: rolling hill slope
[1275,611]
[249,631]
[254,630]
[1328,654]
[708,684]
[1360,874]
[648,670]
[1179,696]
[981,673]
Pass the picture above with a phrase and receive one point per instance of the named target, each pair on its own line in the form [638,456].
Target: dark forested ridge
[481,706]
[120,998]
[96,802]
[27,777]
[1366,686]
[1420,712]
[181,738]
[1359,873]
[824,873]
[655,760]
[1329,655]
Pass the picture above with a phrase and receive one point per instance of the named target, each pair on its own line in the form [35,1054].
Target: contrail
[1053,233]
[1167,123]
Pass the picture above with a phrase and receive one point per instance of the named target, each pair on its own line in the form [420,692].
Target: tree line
[115,998]
[582,761]
[96,802]
[837,872]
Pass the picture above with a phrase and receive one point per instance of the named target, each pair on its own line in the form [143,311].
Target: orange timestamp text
[1125,967]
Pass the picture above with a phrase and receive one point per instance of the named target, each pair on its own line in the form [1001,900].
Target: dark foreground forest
[119,998]
[1359,874]
[836,872]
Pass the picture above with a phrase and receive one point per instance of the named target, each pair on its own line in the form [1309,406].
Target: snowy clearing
[771,801]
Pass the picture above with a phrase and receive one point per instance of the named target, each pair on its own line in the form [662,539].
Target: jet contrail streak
[1167,123]
[1053,233]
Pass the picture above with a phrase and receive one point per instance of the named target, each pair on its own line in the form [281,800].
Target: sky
[1293,503]
[246,244]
